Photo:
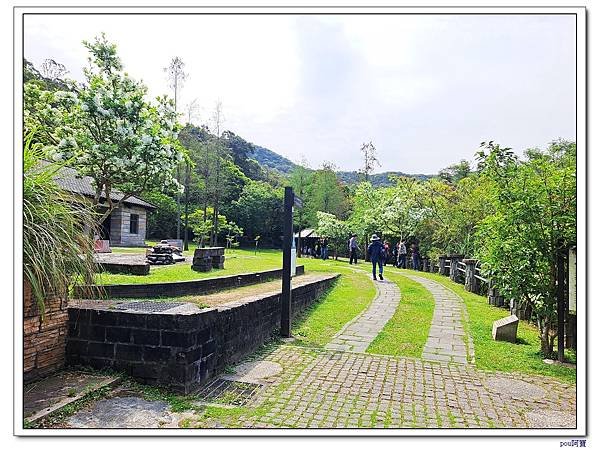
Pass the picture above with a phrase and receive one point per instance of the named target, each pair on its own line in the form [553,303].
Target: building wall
[119,226]
[44,339]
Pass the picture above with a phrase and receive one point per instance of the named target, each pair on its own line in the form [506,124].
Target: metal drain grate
[229,392]
[149,307]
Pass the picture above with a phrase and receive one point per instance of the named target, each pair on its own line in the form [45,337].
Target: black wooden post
[470,272]
[560,301]
[286,278]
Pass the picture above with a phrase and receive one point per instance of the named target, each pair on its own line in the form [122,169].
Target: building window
[133,223]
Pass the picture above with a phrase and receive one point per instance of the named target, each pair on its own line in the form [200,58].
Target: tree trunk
[547,345]
[187,203]
[178,207]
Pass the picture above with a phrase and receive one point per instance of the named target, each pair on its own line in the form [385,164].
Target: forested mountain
[272,160]
[377,179]
[269,158]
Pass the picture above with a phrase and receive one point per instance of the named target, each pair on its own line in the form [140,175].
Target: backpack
[382,253]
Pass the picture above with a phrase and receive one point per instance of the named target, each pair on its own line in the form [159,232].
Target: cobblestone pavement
[362,330]
[447,340]
[330,389]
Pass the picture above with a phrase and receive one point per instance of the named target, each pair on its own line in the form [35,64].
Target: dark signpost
[289,201]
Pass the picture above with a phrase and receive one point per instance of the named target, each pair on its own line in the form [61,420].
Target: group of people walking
[320,249]
[382,253]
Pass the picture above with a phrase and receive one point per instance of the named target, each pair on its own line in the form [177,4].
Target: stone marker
[208,258]
[506,329]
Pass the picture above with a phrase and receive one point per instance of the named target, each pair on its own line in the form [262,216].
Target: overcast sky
[425,89]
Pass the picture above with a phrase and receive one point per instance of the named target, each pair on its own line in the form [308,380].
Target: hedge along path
[447,340]
[358,334]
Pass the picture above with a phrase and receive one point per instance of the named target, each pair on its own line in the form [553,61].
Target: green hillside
[377,179]
[269,158]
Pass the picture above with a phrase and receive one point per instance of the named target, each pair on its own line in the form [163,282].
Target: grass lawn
[522,357]
[236,261]
[406,332]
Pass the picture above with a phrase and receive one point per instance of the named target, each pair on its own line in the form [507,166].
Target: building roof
[71,181]
[307,232]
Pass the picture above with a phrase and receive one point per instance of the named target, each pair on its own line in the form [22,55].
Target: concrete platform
[57,391]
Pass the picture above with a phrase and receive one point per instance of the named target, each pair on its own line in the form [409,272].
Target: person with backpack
[376,254]
[386,248]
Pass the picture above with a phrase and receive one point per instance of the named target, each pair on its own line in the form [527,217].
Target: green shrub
[57,229]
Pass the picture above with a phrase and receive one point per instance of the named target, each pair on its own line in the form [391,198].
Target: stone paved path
[362,330]
[331,389]
[447,340]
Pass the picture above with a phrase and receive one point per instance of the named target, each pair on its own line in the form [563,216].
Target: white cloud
[425,89]
[248,63]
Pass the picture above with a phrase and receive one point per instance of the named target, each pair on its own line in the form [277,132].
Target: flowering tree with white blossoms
[107,130]
[335,230]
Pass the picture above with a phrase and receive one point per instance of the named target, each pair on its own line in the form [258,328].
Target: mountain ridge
[285,166]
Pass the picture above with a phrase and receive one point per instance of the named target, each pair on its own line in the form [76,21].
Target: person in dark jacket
[376,254]
[353,247]
[416,257]
[325,249]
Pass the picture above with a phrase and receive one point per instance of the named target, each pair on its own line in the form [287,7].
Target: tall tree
[191,111]
[300,179]
[217,120]
[176,76]
[259,211]
[327,193]
[334,229]
[369,157]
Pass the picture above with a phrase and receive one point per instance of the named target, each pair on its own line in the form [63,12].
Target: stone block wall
[178,349]
[169,349]
[43,339]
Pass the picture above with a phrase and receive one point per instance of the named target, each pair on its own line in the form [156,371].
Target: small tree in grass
[232,233]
